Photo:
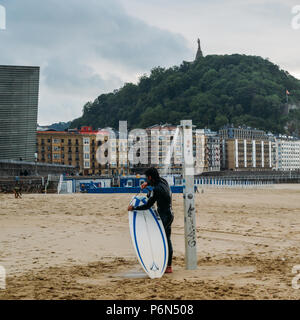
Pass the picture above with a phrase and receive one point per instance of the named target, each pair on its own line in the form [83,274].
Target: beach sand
[79,247]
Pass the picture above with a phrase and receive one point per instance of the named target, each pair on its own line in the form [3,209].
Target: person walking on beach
[161,194]
[17,191]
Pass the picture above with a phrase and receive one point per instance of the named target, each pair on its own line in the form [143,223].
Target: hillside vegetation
[212,91]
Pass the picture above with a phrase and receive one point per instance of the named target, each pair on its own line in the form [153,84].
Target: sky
[86,48]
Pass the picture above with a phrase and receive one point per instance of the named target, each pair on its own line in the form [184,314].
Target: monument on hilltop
[199,54]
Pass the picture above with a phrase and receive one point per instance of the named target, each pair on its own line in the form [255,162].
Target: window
[56,141]
[86,149]
[87,156]
[56,156]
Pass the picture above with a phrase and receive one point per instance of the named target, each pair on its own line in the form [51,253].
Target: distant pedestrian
[17,191]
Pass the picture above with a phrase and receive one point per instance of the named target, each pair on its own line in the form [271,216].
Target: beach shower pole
[186,128]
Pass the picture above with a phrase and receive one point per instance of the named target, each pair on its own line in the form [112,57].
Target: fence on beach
[209,182]
[247,179]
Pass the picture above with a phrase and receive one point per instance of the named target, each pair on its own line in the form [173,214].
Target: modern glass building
[19,91]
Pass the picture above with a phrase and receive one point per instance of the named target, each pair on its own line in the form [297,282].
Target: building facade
[161,147]
[207,156]
[245,149]
[107,152]
[19,92]
[91,152]
[63,148]
[287,153]
[164,148]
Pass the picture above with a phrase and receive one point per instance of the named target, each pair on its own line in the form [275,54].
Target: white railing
[232,183]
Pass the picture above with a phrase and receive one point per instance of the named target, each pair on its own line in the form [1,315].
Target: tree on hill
[212,91]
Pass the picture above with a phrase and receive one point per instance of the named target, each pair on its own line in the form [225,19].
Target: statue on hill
[199,52]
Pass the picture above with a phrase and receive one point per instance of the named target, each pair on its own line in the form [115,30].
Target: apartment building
[64,148]
[91,152]
[244,148]
[207,156]
[287,153]
[164,148]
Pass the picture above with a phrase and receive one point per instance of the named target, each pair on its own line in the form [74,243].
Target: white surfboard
[149,239]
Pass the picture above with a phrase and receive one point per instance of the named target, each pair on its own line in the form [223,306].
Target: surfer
[161,194]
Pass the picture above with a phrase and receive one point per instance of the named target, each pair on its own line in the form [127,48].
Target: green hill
[212,91]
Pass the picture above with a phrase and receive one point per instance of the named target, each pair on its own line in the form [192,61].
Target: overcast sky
[89,47]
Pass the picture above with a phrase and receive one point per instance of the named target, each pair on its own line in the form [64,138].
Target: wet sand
[79,247]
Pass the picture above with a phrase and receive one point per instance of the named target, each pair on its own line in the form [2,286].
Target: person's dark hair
[153,173]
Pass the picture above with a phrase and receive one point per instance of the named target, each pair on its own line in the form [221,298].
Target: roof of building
[166,126]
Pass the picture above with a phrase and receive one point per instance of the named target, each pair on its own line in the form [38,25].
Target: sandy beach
[79,247]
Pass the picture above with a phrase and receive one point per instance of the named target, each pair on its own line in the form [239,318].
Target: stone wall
[23,169]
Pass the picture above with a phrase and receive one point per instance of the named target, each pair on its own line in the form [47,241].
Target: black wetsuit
[161,194]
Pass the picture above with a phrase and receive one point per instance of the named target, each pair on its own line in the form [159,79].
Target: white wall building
[287,153]
[207,155]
